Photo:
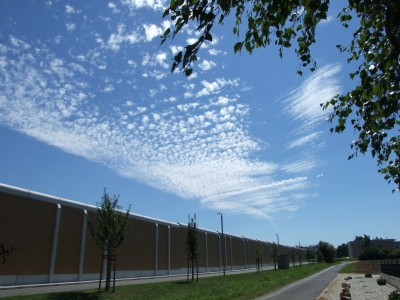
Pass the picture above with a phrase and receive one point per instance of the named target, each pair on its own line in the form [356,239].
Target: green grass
[348,269]
[238,286]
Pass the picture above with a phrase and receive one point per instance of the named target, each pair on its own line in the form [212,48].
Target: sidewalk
[307,288]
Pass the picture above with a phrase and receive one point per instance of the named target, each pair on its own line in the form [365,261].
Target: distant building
[356,246]
[397,245]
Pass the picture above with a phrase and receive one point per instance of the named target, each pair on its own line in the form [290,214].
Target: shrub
[373,252]
[381,281]
[395,295]
[394,254]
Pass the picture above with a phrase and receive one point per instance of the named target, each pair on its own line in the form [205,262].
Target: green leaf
[208,37]
[178,57]
[166,13]
[188,72]
[238,47]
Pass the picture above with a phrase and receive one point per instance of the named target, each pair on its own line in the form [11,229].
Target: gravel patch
[361,288]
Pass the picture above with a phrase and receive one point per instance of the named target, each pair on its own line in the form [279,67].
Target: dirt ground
[367,267]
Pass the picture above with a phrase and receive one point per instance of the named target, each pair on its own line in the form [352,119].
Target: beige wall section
[178,257]
[28,225]
[162,247]
[11,231]
[69,241]
[92,262]
[213,251]
[238,254]
[143,254]
[201,260]
[37,238]
[125,251]
[228,251]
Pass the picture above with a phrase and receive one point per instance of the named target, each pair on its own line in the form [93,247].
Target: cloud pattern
[187,137]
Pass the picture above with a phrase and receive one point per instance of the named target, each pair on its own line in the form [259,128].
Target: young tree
[191,244]
[258,255]
[367,241]
[292,254]
[310,255]
[371,108]
[299,255]
[274,254]
[320,257]
[113,225]
[342,250]
[327,250]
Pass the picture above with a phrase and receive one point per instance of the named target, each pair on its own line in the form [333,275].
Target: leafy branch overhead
[267,22]
[371,108]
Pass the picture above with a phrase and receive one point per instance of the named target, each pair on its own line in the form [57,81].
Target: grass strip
[238,286]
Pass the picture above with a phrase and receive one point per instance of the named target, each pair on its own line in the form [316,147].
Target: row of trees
[113,225]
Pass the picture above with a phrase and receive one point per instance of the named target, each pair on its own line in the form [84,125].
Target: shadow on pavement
[73,295]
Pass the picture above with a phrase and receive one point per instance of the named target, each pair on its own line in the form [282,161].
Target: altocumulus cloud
[197,150]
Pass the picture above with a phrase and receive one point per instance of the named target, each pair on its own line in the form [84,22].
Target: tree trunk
[108,277]
[192,269]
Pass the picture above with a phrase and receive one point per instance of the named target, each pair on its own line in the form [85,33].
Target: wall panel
[143,253]
[125,251]
[69,241]
[162,247]
[213,251]
[92,262]
[178,256]
[12,214]
[238,253]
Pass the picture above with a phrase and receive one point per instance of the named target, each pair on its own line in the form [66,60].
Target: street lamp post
[223,243]
[299,253]
[277,236]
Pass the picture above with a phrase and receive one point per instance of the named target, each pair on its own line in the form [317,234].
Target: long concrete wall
[44,239]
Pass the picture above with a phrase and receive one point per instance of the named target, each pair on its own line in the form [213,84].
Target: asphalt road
[308,288]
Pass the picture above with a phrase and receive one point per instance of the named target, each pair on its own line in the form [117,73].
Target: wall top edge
[9,189]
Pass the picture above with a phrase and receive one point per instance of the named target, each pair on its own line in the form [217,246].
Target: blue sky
[87,101]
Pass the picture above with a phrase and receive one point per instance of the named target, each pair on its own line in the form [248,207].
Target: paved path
[308,288]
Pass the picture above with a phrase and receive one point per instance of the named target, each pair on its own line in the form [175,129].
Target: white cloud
[152,31]
[214,51]
[175,49]
[206,65]
[70,26]
[132,63]
[69,9]
[305,140]
[303,103]
[196,149]
[58,39]
[192,76]
[114,8]
[120,37]
[156,59]
[108,88]
[153,4]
